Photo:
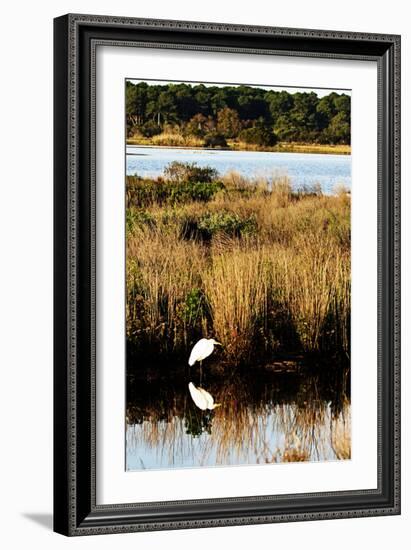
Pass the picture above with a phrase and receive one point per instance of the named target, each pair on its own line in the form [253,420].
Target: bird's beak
[218,344]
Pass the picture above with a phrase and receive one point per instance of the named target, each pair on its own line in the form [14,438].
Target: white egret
[202,398]
[202,349]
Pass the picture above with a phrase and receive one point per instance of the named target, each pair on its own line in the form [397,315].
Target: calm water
[301,168]
[263,419]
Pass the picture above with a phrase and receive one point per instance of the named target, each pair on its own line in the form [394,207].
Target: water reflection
[264,417]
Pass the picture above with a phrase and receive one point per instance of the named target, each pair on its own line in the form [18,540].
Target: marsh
[232,238]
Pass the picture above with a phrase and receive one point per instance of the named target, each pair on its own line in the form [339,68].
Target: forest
[234,116]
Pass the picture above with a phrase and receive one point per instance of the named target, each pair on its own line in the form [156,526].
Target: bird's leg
[201,372]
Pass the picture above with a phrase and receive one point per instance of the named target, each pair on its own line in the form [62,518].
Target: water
[301,168]
[264,418]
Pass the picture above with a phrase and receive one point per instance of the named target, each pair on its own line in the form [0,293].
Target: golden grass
[315,284]
[237,286]
[162,270]
[167,139]
[291,147]
[314,148]
[174,139]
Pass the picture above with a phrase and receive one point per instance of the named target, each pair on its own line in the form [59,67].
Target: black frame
[75,40]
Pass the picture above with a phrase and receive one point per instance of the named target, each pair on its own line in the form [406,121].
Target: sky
[291,89]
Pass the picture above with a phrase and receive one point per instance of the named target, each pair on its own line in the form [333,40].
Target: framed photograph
[227,277]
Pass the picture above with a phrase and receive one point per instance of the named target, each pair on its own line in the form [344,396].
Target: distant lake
[302,168]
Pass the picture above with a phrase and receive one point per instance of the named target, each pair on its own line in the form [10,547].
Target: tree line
[244,113]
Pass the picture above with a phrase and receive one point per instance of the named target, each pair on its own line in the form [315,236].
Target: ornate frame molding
[76,40]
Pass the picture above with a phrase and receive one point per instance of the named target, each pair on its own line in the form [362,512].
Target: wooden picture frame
[75,509]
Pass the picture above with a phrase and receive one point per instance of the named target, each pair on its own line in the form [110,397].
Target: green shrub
[226,222]
[194,307]
[189,172]
[150,129]
[185,192]
[258,135]
[214,139]
[145,192]
[137,218]
[198,125]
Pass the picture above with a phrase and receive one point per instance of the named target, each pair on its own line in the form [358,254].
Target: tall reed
[162,270]
[237,285]
[315,288]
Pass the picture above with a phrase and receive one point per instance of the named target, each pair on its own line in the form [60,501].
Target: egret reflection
[202,398]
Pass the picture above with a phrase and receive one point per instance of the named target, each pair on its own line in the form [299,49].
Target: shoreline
[280,148]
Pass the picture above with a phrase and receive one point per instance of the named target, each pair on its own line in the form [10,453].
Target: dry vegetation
[250,262]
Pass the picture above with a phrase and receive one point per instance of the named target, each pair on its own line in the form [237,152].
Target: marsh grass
[237,286]
[173,139]
[250,262]
[315,287]
[162,272]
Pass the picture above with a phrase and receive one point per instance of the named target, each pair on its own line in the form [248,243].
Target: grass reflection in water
[264,418]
